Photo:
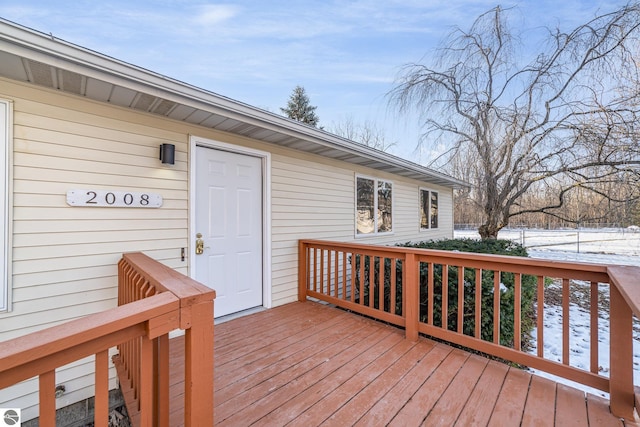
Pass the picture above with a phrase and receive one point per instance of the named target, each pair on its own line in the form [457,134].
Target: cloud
[215,14]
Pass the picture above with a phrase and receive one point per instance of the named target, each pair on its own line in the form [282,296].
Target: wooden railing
[480,302]
[154,300]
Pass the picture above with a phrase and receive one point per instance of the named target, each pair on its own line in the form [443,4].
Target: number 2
[92,200]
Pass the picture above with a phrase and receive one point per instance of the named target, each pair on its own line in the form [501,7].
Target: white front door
[228,216]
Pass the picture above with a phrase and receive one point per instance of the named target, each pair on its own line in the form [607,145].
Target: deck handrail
[141,278]
[180,302]
[363,278]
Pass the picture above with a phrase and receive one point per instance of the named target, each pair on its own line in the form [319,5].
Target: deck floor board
[352,404]
[308,364]
[479,407]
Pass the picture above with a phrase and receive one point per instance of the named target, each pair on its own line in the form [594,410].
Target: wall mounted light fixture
[168,154]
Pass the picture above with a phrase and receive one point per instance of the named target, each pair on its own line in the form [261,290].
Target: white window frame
[420,190]
[375,207]
[6,139]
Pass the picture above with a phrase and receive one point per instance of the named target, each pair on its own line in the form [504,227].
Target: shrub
[507,280]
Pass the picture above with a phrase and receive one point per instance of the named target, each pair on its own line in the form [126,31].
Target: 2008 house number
[115,199]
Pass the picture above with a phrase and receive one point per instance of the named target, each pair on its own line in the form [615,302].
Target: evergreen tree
[300,109]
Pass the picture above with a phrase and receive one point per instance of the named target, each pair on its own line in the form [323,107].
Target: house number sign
[113,199]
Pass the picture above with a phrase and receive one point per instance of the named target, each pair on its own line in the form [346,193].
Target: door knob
[199,244]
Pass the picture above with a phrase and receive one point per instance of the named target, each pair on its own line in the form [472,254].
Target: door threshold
[238,314]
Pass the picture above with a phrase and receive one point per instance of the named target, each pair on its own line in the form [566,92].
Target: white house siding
[314,198]
[64,258]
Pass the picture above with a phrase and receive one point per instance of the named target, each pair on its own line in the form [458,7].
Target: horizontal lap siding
[314,198]
[64,259]
[62,143]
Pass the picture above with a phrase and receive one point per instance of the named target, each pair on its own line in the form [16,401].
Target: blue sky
[346,54]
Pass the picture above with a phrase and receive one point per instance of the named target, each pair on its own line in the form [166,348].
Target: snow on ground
[584,245]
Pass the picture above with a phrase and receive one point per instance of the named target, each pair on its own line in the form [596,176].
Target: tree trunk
[489,231]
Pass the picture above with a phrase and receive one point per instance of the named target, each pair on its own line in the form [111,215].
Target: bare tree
[566,116]
[367,133]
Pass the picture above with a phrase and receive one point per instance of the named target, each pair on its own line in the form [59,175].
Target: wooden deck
[307,364]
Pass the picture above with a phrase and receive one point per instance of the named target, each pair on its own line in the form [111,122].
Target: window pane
[424,209]
[384,206]
[434,210]
[365,206]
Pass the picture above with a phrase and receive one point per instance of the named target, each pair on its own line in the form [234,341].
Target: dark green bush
[501,247]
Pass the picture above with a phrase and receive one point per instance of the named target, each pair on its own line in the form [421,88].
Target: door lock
[199,244]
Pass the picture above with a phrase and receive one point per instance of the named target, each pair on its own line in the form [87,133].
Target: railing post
[161,378]
[198,381]
[145,386]
[101,405]
[47,383]
[411,288]
[302,271]
[621,356]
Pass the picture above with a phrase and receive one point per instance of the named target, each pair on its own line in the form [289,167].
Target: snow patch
[611,247]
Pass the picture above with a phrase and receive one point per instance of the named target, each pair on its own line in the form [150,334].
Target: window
[374,206]
[428,209]
[5,140]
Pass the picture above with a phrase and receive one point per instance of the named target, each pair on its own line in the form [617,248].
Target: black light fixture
[168,154]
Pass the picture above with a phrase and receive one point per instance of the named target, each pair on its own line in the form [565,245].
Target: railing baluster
[353,276]
[312,268]
[445,297]
[496,307]
[517,315]
[337,273]
[392,286]
[344,275]
[328,275]
[478,304]
[593,347]
[565,321]
[372,275]
[308,271]
[381,271]
[322,275]
[362,261]
[430,291]
[315,270]
[460,299]
[135,371]
[540,317]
